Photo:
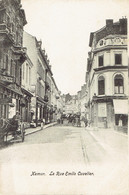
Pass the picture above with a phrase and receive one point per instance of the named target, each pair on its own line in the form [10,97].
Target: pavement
[29,131]
[110,139]
[108,135]
[33,130]
[61,149]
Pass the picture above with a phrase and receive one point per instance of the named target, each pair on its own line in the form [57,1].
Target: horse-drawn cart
[9,129]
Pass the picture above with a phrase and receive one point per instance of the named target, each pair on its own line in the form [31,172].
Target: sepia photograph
[64,97]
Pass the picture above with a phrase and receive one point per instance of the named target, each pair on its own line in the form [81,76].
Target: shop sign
[6,79]
[5,101]
[102,110]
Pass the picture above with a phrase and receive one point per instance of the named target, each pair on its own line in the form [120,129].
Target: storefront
[25,104]
[111,113]
[121,113]
[13,94]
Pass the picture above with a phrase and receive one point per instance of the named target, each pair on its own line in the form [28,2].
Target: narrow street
[67,144]
[60,149]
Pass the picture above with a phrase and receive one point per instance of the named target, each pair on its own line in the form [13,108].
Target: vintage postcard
[64,97]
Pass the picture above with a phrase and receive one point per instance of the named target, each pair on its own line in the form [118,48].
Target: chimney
[123,25]
[109,23]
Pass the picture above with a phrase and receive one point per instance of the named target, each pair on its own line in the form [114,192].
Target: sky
[64,26]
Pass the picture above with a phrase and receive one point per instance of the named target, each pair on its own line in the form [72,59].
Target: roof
[119,27]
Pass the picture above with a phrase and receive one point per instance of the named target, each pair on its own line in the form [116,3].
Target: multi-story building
[48,111]
[26,90]
[107,75]
[39,82]
[12,56]
[56,101]
[43,86]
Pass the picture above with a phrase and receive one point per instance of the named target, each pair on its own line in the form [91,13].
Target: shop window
[118,59]
[101,62]
[119,84]
[101,85]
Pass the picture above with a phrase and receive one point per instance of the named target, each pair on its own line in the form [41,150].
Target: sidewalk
[111,130]
[29,131]
[33,130]
[110,137]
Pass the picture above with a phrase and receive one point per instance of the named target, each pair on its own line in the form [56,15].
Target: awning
[120,106]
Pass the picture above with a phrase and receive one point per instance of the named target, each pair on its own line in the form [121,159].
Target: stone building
[39,82]
[26,112]
[12,56]
[107,76]
[43,87]
[56,101]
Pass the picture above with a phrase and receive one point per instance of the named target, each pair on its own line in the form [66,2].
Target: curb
[36,130]
[111,130]
[40,129]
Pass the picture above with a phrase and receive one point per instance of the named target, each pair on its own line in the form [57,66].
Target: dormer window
[101,61]
[118,59]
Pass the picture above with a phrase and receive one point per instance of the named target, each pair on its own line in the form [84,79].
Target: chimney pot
[109,22]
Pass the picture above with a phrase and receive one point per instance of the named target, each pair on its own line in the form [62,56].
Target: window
[11,68]
[101,85]
[26,73]
[118,59]
[23,71]
[29,75]
[119,87]
[100,60]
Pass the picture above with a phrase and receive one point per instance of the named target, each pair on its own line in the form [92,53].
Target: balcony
[5,34]
[46,98]
[20,53]
[6,79]
[47,86]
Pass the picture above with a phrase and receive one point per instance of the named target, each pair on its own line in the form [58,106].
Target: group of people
[74,119]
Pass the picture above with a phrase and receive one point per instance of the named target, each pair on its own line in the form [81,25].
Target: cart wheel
[22,132]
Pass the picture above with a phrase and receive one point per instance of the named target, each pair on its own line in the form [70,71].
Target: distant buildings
[70,104]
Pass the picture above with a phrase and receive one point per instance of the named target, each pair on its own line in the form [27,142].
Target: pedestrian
[42,123]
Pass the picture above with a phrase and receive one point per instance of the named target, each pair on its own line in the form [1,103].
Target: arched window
[101,85]
[119,84]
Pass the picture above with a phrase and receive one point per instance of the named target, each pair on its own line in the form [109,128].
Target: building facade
[71,104]
[12,56]
[107,76]
[44,103]
[26,113]
[40,84]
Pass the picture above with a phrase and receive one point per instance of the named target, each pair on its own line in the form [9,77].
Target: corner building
[107,76]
